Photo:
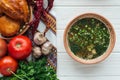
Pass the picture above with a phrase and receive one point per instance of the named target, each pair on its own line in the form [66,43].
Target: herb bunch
[33,70]
[88,38]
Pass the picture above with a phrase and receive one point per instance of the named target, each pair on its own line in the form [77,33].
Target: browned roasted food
[8,26]
[16,9]
[0,12]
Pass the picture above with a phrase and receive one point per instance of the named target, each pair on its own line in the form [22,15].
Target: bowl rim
[111,44]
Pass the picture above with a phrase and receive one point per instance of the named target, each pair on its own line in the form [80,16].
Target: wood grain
[68,69]
[87,2]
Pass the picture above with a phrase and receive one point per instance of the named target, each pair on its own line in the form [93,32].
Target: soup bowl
[89,38]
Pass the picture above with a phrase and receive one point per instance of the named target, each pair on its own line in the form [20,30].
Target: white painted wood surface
[68,69]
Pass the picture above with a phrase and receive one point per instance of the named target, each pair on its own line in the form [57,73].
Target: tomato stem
[18,45]
[14,74]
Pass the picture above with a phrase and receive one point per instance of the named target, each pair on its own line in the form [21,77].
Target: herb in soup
[88,38]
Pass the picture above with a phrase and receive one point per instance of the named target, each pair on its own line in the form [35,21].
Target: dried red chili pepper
[50,5]
[38,11]
[37,6]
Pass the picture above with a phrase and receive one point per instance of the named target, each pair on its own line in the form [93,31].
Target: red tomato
[20,47]
[8,65]
[3,47]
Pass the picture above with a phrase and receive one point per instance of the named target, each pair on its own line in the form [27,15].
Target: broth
[88,38]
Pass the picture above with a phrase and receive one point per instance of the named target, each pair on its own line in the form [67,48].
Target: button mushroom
[46,48]
[39,38]
[37,52]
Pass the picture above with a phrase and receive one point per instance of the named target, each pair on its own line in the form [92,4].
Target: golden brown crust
[0,12]
[16,9]
[8,26]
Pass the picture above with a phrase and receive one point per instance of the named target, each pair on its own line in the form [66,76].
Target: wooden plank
[90,78]
[66,14]
[87,2]
[69,67]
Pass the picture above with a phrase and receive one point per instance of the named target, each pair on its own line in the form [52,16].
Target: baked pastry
[1,12]
[16,9]
[8,26]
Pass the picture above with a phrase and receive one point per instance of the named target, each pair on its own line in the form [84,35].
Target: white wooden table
[68,69]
